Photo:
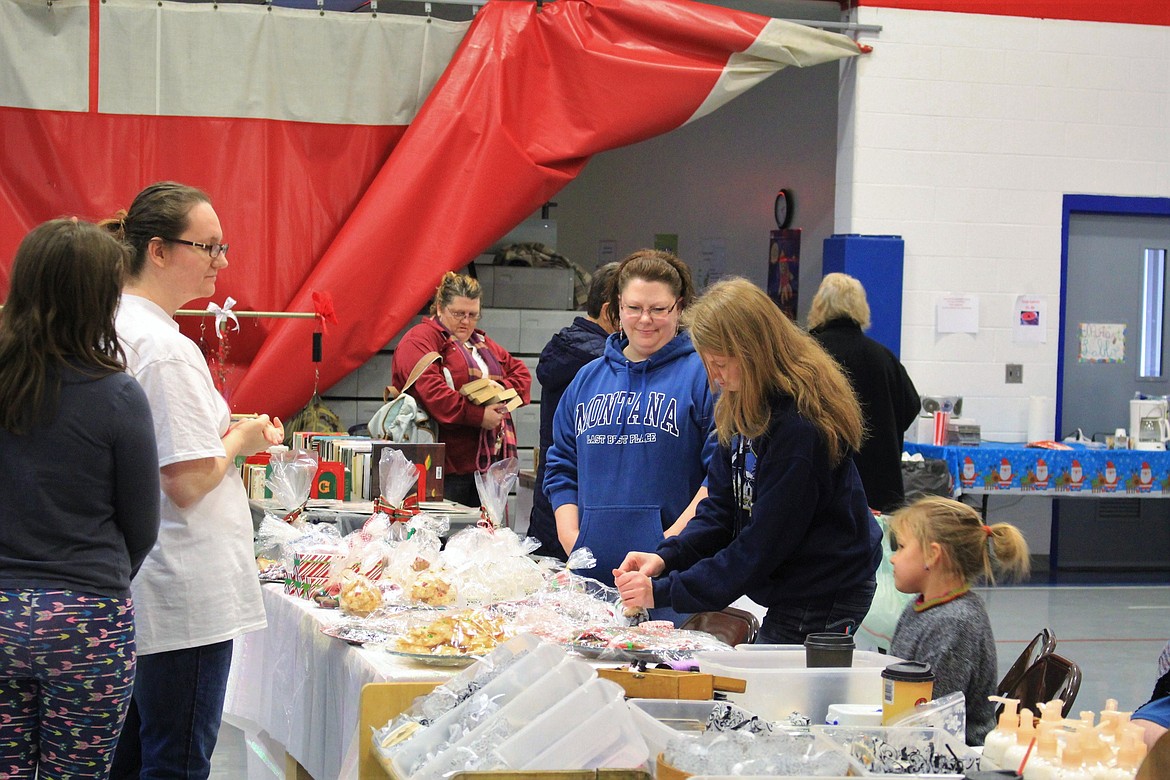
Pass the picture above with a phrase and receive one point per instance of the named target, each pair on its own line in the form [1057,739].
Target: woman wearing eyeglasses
[785,521]
[197,589]
[630,445]
[476,436]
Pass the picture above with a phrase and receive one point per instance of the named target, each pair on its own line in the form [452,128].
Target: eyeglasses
[655,312]
[460,316]
[213,250]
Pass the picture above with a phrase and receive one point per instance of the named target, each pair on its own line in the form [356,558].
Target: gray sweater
[955,639]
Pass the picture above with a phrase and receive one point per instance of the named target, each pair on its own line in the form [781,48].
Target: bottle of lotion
[1003,735]
[1014,754]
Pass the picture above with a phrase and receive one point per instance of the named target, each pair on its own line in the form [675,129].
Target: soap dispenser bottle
[1014,755]
[1043,761]
[1003,736]
[1072,760]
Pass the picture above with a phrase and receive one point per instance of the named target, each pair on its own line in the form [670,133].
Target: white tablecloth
[302,687]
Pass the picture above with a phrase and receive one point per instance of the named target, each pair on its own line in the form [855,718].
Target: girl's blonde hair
[453,286]
[735,318]
[839,296]
[971,549]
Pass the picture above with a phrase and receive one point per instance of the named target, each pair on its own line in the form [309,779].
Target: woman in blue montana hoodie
[785,521]
[630,436]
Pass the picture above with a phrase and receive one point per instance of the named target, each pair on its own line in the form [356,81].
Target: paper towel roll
[1040,418]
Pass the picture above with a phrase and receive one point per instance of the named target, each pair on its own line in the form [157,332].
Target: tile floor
[1114,632]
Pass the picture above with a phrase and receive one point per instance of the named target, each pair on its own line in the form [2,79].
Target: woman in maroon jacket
[476,436]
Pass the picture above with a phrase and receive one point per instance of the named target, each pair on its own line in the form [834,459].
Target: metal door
[1105,271]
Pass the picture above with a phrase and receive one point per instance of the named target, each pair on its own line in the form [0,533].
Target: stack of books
[486,392]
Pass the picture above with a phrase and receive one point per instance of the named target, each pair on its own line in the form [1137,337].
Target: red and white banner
[327,173]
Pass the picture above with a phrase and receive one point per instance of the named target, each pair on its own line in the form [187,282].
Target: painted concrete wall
[962,133]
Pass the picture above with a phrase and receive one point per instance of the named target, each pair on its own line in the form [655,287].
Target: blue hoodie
[630,447]
[560,360]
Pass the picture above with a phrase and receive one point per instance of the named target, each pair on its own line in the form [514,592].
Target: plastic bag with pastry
[359,596]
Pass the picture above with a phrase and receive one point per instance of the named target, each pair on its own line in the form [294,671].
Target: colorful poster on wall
[1030,320]
[784,269]
[1102,342]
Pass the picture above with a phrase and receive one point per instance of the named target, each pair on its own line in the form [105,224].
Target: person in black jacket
[889,403]
[560,360]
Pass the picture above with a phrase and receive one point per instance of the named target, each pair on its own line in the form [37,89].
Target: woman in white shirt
[197,589]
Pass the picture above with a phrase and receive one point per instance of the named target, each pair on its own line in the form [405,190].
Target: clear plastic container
[607,738]
[431,740]
[530,704]
[558,720]
[778,683]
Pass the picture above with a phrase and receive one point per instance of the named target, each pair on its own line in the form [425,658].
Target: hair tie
[987,530]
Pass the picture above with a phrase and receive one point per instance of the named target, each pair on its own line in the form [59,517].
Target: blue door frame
[1086,204]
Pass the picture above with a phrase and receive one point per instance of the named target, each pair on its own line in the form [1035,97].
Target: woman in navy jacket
[786,521]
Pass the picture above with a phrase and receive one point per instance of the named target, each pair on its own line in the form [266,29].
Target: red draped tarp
[529,95]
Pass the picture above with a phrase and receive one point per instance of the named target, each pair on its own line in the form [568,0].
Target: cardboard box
[428,457]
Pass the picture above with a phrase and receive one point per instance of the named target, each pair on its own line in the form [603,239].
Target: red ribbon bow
[323,307]
[400,514]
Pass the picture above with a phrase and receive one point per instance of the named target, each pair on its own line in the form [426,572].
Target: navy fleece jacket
[630,448]
[800,529]
[560,360]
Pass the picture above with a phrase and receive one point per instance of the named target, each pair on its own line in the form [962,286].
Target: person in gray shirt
[942,548]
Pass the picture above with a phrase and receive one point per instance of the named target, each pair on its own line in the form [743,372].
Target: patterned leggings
[66,675]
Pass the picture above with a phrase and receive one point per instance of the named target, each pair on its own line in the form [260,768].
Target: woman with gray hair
[838,317]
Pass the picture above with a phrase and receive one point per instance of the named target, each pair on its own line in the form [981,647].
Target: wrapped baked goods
[430,587]
[467,632]
[397,478]
[359,596]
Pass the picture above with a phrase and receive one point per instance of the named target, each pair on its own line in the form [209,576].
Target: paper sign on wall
[957,314]
[1030,320]
[1102,342]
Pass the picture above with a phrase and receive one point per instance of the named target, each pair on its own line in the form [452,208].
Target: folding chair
[731,625]
[1043,644]
[1051,677]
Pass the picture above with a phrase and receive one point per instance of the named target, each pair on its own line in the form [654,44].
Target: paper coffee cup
[905,686]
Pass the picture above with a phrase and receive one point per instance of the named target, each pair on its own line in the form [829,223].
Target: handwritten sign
[1102,342]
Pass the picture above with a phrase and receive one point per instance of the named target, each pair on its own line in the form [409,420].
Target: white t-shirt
[198,586]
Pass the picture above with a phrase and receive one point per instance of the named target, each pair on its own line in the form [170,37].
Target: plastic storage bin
[778,683]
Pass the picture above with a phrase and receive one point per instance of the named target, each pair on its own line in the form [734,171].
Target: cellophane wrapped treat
[397,478]
[358,596]
[489,565]
[308,561]
[494,485]
[272,537]
[655,640]
[291,479]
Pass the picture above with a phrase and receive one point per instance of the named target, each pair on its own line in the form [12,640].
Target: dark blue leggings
[66,674]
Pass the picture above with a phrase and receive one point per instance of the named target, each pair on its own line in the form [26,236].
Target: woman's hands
[632,578]
[492,416]
[253,434]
